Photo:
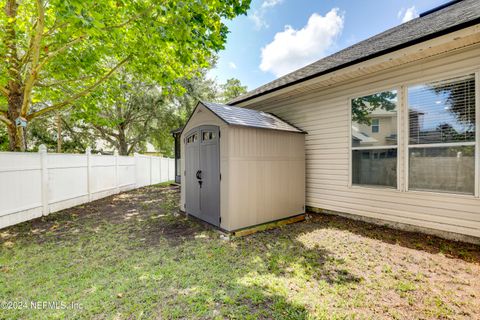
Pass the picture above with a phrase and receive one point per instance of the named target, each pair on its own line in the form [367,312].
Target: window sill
[373,187]
[443,194]
[416,192]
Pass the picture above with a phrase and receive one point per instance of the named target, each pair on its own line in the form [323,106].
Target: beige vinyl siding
[325,114]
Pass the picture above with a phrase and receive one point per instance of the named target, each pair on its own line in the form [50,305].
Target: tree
[198,88]
[74,137]
[57,46]
[124,113]
[232,89]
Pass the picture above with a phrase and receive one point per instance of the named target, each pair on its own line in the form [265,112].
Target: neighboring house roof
[448,18]
[249,118]
[362,137]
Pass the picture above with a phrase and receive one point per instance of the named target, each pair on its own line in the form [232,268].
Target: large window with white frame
[374,134]
[441,135]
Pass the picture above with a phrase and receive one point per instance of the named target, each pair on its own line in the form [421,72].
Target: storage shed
[241,167]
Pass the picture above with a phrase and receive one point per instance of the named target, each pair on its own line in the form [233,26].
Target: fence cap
[42,148]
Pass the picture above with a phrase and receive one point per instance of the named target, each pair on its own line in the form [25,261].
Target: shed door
[192,165]
[203,174]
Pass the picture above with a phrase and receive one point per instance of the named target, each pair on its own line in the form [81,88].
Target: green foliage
[61,50]
[363,106]
[232,89]
[3,139]
[74,137]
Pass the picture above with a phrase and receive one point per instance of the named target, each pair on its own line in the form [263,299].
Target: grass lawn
[133,256]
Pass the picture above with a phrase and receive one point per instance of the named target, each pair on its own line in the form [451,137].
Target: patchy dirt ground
[135,256]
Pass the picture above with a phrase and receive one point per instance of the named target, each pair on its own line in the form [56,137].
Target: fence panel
[36,184]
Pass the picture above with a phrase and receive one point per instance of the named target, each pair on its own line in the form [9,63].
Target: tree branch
[52,54]
[5,91]
[132,19]
[81,94]
[36,43]
[73,134]
[4,119]
[60,82]
[106,135]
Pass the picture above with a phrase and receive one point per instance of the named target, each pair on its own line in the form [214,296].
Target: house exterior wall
[266,176]
[325,114]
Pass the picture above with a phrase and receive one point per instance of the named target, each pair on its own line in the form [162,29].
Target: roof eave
[363,59]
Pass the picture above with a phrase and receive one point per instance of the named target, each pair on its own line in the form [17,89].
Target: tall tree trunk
[122,142]
[16,134]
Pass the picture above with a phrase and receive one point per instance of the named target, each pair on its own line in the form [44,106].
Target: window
[192,138]
[375,125]
[441,144]
[374,155]
[208,135]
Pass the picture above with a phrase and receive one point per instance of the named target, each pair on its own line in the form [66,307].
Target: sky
[280,36]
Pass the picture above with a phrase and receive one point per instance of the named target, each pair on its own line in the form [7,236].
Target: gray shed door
[202,174]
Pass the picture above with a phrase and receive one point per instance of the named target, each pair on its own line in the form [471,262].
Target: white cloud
[232,65]
[259,20]
[407,14]
[258,15]
[292,49]
[270,3]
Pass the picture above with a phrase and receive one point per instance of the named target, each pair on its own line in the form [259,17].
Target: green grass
[133,256]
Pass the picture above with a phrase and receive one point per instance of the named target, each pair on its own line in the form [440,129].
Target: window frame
[378,126]
[397,146]
[403,133]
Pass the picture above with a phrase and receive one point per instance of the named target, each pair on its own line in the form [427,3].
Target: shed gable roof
[451,18]
[249,118]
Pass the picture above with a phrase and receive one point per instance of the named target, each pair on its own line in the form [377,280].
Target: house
[411,162]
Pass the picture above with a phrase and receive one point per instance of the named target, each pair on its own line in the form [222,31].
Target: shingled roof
[432,24]
[249,118]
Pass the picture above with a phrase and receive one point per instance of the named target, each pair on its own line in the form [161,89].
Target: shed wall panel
[266,176]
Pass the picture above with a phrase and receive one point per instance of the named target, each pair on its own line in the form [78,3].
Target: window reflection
[374,120]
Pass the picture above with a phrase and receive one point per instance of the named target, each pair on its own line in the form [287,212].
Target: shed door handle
[199,174]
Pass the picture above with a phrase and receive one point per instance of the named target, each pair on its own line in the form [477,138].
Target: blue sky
[279,36]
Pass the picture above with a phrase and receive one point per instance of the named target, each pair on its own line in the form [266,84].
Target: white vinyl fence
[36,184]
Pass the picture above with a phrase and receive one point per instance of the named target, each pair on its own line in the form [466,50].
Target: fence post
[117,187]
[150,170]
[42,149]
[135,157]
[88,153]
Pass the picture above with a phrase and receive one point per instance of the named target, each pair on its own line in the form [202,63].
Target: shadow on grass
[193,272]
[413,240]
